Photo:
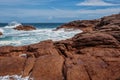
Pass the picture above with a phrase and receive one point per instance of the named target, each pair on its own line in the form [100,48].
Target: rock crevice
[91,55]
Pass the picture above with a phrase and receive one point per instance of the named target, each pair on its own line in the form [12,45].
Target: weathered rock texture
[91,55]
[24,27]
[85,25]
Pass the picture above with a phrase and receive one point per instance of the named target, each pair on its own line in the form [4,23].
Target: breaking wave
[1,30]
[20,38]
[13,24]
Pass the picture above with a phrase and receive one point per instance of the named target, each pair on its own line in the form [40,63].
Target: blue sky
[56,10]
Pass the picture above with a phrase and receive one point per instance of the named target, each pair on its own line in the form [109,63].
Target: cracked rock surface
[91,55]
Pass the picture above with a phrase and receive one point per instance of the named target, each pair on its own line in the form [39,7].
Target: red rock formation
[11,66]
[84,25]
[43,48]
[91,55]
[48,67]
[91,25]
[25,28]
[94,39]
[109,20]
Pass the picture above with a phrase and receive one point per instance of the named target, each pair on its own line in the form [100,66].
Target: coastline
[19,34]
[93,54]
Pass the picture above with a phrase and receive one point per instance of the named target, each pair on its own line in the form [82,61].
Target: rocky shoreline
[25,27]
[91,55]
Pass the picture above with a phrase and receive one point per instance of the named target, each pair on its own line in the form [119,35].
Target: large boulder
[11,65]
[25,27]
[94,39]
[43,48]
[91,55]
[48,68]
[75,70]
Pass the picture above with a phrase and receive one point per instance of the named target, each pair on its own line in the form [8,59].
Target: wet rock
[25,27]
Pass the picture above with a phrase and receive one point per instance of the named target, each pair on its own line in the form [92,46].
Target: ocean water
[44,31]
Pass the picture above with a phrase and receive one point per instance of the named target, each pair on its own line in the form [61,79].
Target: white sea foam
[13,24]
[1,30]
[14,77]
[2,43]
[18,38]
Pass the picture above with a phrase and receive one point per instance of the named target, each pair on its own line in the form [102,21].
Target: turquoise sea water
[44,31]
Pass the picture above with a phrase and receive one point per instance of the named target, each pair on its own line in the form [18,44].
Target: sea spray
[14,77]
[20,38]
[13,24]
[1,30]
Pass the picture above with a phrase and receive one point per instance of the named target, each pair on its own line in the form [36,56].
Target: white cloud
[56,13]
[95,3]
[32,15]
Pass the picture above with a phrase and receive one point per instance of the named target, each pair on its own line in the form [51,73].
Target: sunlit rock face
[90,55]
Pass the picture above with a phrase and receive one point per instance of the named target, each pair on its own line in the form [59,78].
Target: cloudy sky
[56,10]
